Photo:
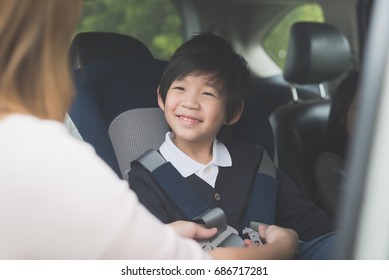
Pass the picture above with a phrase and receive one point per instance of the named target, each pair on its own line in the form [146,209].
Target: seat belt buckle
[226,235]
[253,235]
[227,238]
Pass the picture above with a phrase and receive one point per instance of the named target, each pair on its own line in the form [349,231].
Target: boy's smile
[188,120]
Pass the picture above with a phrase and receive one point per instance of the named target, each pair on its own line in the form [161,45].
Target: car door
[364,221]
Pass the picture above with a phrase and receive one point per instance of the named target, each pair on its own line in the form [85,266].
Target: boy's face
[194,109]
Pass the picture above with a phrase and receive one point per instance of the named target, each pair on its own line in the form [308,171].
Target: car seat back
[317,53]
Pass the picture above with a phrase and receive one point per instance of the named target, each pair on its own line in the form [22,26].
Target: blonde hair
[34,65]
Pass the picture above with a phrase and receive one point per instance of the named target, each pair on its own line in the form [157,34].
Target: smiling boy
[202,94]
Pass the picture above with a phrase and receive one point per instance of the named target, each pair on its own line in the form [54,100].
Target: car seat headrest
[89,47]
[317,52]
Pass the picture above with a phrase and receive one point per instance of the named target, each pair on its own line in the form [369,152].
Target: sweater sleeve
[293,211]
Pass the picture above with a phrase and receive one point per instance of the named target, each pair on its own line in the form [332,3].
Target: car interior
[317,53]
[116,77]
[116,110]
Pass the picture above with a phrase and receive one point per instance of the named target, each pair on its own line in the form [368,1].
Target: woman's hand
[280,243]
[192,230]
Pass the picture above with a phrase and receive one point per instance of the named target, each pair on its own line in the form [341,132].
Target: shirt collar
[187,166]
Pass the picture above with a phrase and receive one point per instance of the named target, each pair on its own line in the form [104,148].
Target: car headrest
[317,52]
[89,47]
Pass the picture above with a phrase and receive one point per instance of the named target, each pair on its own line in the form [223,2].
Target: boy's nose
[191,102]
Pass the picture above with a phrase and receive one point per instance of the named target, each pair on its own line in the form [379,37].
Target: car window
[276,41]
[156,23]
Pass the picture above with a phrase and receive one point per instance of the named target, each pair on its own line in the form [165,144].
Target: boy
[202,94]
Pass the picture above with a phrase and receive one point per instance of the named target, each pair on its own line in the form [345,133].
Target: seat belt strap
[263,197]
[189,201]
[174,185]
[261,205]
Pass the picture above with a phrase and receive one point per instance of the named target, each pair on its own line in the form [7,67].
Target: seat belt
[189,202]
[263,197]
[261,203]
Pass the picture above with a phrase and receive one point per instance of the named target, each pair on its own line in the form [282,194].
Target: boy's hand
[273,234]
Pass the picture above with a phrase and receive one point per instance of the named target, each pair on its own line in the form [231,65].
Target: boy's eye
[179,88]
[210,94]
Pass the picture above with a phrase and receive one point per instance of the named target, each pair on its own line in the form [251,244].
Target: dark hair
[209,54]
[341,101]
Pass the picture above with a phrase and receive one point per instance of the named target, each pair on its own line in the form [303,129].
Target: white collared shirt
[187,166]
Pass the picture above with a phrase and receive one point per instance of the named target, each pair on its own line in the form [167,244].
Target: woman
[58,199]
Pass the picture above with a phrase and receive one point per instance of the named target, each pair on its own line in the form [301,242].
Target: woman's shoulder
[48,150]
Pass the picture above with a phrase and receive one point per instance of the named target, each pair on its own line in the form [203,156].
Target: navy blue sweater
[231,193]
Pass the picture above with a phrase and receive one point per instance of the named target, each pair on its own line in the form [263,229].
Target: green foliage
[155,22]
[276,42]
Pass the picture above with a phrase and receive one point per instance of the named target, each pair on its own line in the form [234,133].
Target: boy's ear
[160,101]
[237,116]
